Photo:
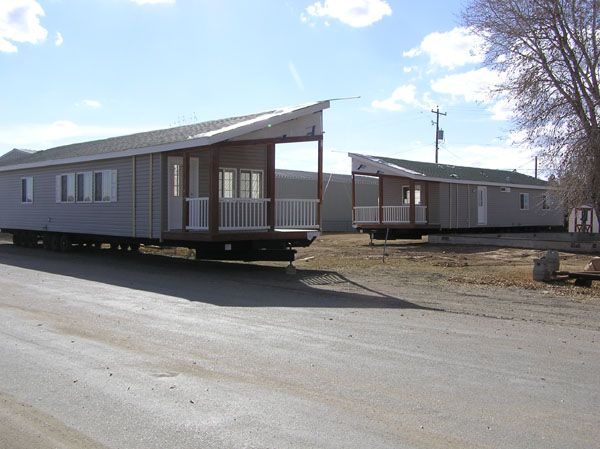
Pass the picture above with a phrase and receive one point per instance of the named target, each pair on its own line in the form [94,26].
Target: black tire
[31,240]
[65,243]
[16,239]
[47,242]
[134,247]
[55,242]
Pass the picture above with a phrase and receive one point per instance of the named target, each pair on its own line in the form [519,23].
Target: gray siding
[433,203]
[455,206]
[46,214]
[504,209]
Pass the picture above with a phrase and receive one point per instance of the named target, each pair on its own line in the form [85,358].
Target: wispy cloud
[454,48]
[94,104]
[295,75]
[405,95]
[356,13]
[58,40]
[20,22]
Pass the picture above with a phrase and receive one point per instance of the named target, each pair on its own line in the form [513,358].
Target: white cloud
[472,86]
[295,75]
[451,49]
[42,136]
[20,22]
[405,95]
[58,40]
[153,2]
[94,104]
[356,13]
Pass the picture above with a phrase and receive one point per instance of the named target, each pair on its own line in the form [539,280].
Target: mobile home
[208,186]
[417,198]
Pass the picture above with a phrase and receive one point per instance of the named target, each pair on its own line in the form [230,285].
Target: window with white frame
[105,186]
[27,189]
[251,184]
[227,183]
[177,180]
[524,201]
[65,188]
[84,187]
[405,195]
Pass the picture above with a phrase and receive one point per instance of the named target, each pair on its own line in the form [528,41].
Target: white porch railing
[198,216]
[366,214]
[237,214]
[243,214]
[391,214]
[296,214]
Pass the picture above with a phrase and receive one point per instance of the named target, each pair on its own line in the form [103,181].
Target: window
[84,187]
[545,202]
[176,180]
[405,195]
[418,194]
[105,186]
[65,188]
[226,183]
[251,184]
[27,189]
[524,201]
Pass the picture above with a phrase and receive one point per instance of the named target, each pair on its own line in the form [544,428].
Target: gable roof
[14,155]
[187,136]
[452,173]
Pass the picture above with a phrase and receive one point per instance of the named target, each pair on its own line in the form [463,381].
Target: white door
[175,192]
[481,205]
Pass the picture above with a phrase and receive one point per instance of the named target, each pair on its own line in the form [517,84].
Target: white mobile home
[208,186]
[417,198]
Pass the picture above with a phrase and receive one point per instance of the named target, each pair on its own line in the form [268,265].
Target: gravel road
[108,351]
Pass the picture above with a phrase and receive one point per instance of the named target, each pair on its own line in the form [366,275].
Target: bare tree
[548,52]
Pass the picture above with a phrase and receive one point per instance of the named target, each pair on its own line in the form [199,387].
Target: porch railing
[391,214]
[237,214]
[198,217]
[296,214]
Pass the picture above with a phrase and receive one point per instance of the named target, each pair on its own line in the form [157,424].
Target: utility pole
[437,130]
[536,167]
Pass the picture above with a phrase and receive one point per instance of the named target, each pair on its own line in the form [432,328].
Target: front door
[481,205]
[175,192]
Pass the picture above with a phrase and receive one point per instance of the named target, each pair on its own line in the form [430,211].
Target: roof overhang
[386,169]
[200,140]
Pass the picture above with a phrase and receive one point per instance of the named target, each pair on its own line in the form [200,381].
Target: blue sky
[76,70]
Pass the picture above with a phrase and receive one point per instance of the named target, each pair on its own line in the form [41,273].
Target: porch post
[185,209]
[411,207]
[380,198]
[213,191]
[353,195]
[271,186]
[425,199]
[320,181]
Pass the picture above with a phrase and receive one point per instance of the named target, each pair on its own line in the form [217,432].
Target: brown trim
[320,181]
[213,191]
[192,236]
[353,196]
[185,210]
[380,182]
[270,181]
[411,207]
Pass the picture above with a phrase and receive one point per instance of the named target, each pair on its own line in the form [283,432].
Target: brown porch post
[213,191]
[353,195]
[320,181]
[425,199]
[271,185]
[185,186]
[380,198]
[411,207]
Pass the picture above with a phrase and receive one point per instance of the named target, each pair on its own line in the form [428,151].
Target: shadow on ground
[218,283]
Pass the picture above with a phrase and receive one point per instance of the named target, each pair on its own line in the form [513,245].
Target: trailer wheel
[134,247]
[31,240]
[16,239]
[55,242]
[65,243]
[47,242]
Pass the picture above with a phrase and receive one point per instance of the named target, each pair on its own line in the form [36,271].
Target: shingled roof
[198,134]
[455,172]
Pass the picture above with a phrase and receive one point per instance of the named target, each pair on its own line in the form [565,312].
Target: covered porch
[401,202]
[226,192]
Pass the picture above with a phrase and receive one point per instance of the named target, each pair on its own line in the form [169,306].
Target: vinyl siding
[45,213]
[504,209]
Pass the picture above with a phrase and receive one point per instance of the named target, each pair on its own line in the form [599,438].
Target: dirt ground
[477,265]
